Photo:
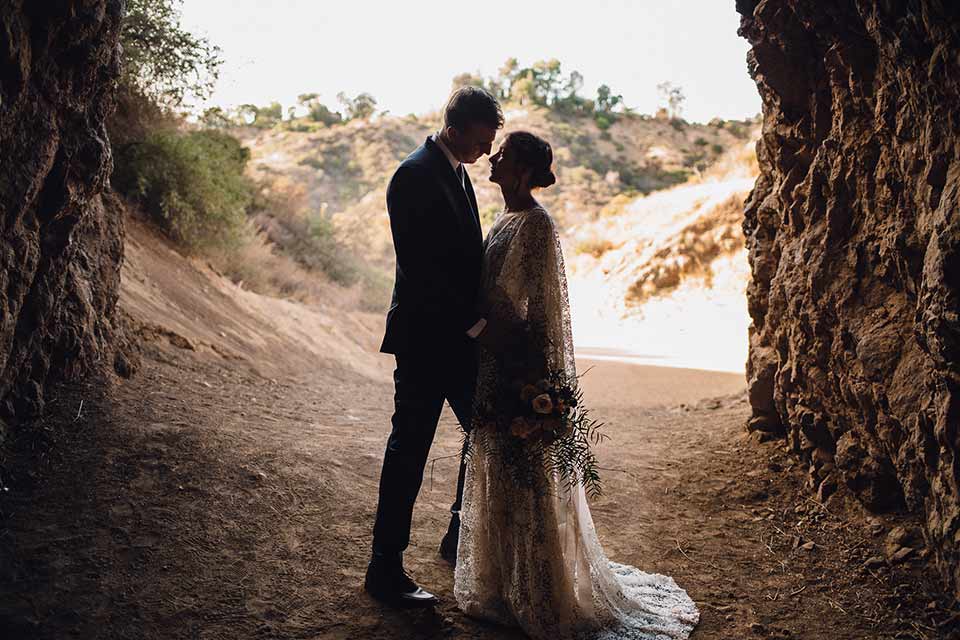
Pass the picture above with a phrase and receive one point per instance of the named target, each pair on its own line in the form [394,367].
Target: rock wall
[853,234]
[62,242]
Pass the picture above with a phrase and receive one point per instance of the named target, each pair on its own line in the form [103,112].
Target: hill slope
[663,279]
[343,170]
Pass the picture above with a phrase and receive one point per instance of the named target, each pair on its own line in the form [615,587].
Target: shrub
[692,158]
[593,246]
[319,112]
[268,116]
[616,206]
[701,142]
[300,127]
[305,235]
[737,129]
[191,185]
[135,116]
[717,149]
[488,214]
[326,252]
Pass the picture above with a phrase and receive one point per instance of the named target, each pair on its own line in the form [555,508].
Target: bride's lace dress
[529,555]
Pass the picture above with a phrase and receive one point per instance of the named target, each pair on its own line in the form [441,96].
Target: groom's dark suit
[439,248]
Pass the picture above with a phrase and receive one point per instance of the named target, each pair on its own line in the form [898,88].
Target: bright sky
[406,53]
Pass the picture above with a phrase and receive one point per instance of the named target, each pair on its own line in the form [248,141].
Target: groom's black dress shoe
[389,583]
[448,546]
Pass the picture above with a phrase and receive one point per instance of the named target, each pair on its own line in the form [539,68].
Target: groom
[432,325]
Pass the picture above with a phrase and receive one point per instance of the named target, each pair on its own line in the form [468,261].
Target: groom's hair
[472,105]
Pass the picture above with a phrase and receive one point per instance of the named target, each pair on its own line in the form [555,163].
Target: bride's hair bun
[536,154]
[544,179]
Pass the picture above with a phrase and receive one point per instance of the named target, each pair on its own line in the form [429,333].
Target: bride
[528,554]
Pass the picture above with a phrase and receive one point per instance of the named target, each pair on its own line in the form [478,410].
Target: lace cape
[529,554]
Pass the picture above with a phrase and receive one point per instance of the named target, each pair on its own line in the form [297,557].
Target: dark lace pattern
[529,554]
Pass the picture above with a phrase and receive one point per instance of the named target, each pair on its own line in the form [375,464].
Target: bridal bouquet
[544,422]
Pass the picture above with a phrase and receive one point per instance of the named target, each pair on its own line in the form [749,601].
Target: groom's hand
[475,331]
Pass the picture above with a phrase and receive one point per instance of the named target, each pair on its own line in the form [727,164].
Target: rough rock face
[61,243]
[853,234]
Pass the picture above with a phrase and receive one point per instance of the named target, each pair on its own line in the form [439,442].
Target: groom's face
[476,140]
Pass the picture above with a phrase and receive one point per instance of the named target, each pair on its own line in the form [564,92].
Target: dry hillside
[650,210]
[661,278]
[342,171]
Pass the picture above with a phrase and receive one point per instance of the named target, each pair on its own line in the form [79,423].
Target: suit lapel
[472,199]
[463,201]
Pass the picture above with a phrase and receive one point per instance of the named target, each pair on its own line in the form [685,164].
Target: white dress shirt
[452,158]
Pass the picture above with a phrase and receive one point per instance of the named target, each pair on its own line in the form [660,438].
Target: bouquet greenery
[544,422]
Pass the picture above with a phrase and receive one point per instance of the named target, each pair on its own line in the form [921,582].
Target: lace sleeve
[533,279]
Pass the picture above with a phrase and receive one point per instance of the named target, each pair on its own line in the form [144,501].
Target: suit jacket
[439,248]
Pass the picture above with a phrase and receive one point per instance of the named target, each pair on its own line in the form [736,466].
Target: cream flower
[529,392]
[542,403]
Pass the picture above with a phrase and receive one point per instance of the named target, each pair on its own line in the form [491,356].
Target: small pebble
[901,554]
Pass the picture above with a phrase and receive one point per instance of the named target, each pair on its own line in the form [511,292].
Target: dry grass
[691,252]
[594,246]
[255,266]
[292,251]
[738,161]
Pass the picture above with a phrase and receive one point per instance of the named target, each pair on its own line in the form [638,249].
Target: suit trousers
[422,382]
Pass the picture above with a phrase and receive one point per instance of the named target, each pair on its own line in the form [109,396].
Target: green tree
[247,113]
[574,83]
[161,60]
[606,101]
[548,81]
[359,108]
[506,76]
[216,118]
[672,96]
[268,116]
[570,101]
[468,80]
[523,89]
[317,111]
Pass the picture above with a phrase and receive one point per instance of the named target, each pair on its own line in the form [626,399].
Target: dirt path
[227,491]
[200,501]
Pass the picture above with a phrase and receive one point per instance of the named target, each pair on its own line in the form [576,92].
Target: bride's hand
[500,336]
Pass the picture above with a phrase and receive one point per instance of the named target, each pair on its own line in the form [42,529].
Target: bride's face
[504,169]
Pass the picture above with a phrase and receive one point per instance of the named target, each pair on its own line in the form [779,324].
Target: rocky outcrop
[62,242]
[853,234]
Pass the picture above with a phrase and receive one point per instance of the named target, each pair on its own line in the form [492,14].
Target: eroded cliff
[854,244]
[62,243]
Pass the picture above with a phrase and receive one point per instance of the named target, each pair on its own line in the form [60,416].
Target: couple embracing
[467,315]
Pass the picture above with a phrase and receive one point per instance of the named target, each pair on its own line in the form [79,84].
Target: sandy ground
[228,489]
